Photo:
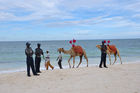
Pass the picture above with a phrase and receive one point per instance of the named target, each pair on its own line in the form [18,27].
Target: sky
[29,20]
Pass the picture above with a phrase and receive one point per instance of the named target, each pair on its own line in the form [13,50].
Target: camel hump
[113,48]
[78,49]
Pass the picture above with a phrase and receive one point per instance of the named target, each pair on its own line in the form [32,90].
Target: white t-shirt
[47,58]
[60,57]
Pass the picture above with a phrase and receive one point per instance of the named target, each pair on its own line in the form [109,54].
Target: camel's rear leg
[69,61]
[120,57]
[80,61]
[86,57]
[115,55]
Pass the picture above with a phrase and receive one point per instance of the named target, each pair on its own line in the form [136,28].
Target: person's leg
[47,65]
[60,65]
[28,67]
[105,60]
[36,64]
[101,61]
[32,66]
[51,65]
[39,64]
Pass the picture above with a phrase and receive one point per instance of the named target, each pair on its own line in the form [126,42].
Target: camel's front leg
[69,61]
[73,62]
[80,61]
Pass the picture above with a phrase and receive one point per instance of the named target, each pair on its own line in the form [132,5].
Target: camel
[110,52]
[73,53]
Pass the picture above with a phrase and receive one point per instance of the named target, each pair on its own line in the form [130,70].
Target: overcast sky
[24,20]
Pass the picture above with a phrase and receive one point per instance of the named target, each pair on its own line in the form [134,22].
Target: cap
[38,44]
[103,41]
[28,43]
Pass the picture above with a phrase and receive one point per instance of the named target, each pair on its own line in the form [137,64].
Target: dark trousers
[103,60]
[30,64]
[60,65]
[37,63]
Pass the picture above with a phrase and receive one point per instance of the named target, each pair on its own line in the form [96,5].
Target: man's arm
[57,58]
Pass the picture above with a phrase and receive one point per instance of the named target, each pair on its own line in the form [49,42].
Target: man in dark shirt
[29,60]
[103,55]
[38,53]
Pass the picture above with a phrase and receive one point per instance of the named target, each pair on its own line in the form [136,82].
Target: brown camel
[73,53]
[111,50]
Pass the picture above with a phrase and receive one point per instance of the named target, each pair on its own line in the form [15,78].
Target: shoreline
[56,67]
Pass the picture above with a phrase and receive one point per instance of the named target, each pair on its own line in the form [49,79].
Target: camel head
[60,50]
[98,46]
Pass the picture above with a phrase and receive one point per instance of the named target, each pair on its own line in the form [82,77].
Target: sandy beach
[115,79]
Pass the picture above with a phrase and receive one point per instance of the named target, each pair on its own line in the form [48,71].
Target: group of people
[38,53]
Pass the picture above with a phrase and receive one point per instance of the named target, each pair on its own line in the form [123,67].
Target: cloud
[104,21]
[39,9]
[136,16]
[135,6]
[83,32]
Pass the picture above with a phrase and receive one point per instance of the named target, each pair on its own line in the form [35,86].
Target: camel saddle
[112,48]
[78,49]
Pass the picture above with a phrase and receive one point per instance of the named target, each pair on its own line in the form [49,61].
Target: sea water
[12,54]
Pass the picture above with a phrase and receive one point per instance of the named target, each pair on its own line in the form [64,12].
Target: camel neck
[66,51]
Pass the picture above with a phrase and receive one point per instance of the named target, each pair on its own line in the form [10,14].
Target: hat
[103,41]
[38,44]
[28,44]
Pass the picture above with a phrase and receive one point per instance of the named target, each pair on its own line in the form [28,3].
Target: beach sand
[118,78]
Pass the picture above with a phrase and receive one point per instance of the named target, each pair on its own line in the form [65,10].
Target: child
[60,60]
[47,61]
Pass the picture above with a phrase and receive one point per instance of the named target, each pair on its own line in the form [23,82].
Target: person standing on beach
[47,61]
[103,54]
[29,60]
[60,60]
[38,53]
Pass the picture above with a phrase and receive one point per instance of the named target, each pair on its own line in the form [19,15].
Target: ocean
[13,59]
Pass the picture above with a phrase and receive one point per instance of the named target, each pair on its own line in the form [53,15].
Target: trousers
[59,64]
[103,60]
[37,63]
[30,64]
[47,65]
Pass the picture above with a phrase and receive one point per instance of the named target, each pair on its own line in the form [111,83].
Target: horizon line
[68,39]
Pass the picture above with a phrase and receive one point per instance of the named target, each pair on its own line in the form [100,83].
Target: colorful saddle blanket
[78,49]
[112,48]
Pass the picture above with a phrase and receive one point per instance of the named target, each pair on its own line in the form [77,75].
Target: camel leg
[69,61]
[86,58]
[109,57]
[73,62]
[115,58]
[80,61]
[119,57]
